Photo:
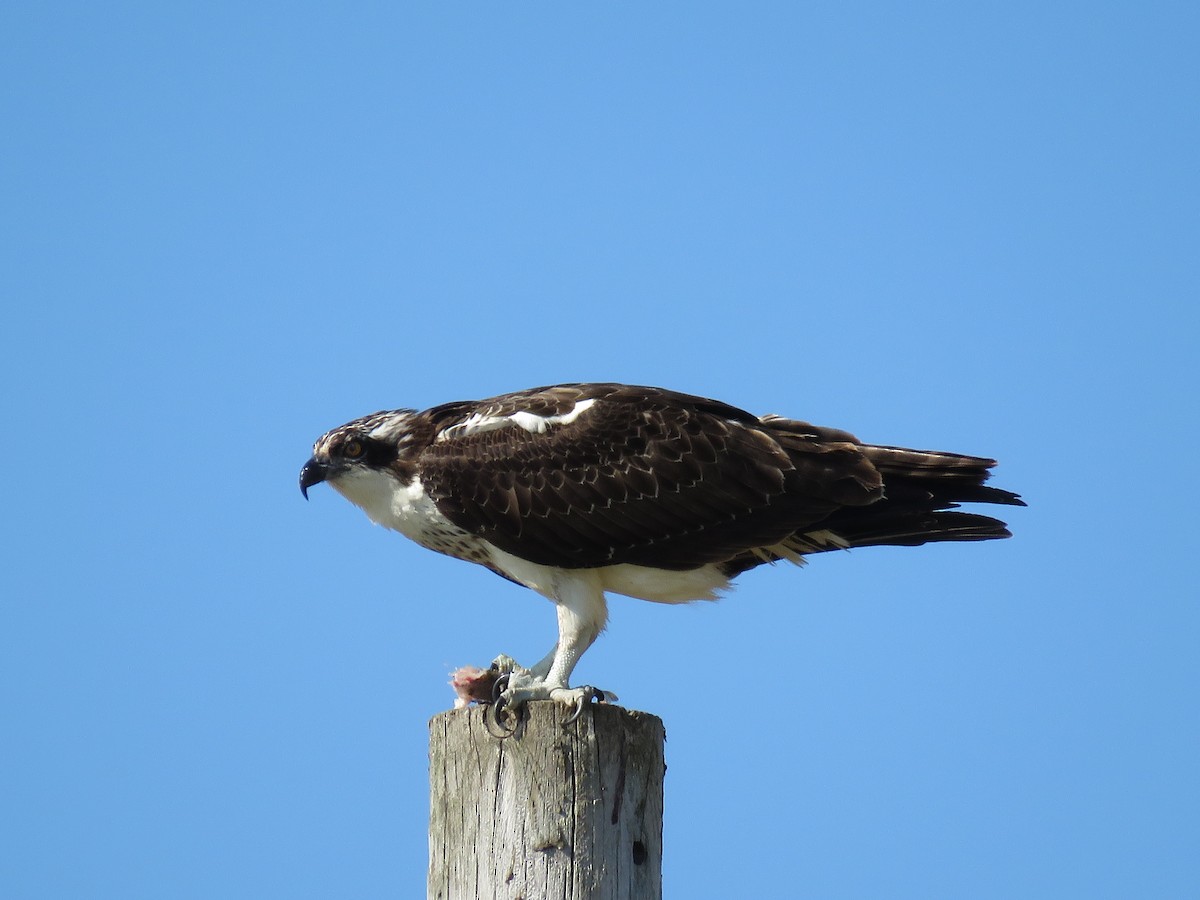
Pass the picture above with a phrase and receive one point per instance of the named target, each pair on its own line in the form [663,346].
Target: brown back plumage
[657,478]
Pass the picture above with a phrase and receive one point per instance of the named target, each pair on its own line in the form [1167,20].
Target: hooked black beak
[314,472]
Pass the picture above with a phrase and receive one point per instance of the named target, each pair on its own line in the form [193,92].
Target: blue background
[229,227]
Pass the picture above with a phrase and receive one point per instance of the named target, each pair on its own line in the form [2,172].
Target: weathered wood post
[554,811]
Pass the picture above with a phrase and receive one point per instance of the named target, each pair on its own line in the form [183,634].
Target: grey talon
[500,686]
[493,722]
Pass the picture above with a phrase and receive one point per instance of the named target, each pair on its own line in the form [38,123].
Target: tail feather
[912,530]
[920,487]
[921,491]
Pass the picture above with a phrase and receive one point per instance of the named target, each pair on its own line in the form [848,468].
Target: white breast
[410,511]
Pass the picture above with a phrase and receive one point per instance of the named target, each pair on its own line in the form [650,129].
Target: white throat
[406,508]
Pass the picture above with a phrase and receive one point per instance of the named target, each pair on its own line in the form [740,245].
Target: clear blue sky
[229,227]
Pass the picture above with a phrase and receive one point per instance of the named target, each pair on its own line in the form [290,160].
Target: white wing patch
[531,422]
[393,427]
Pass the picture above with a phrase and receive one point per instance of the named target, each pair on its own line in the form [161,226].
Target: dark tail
[920,490]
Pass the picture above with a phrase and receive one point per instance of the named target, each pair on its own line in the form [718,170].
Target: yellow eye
[353,449]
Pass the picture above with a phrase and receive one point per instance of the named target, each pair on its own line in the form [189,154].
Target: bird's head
[366,457]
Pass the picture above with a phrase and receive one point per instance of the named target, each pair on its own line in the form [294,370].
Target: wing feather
[640,475]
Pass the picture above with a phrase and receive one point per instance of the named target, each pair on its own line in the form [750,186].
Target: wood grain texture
[554,812]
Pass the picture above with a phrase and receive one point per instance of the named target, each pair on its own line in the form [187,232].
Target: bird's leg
[582,613]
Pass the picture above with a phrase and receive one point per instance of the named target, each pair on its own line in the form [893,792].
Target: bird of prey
[575,490]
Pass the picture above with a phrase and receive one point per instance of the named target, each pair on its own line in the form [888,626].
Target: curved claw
[494,718]
[497,727]
[587,696]
[585,699]
[500,685]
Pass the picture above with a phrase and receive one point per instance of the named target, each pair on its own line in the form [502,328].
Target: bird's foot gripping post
[513,691]
[513,686]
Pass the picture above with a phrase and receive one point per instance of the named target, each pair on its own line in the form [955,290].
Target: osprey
[577,490]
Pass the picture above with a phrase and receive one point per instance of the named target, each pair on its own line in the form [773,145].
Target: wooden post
[554,811]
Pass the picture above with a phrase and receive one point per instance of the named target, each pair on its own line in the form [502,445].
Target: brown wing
[644,476]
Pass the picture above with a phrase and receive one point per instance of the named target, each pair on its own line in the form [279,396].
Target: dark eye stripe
[370,451]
